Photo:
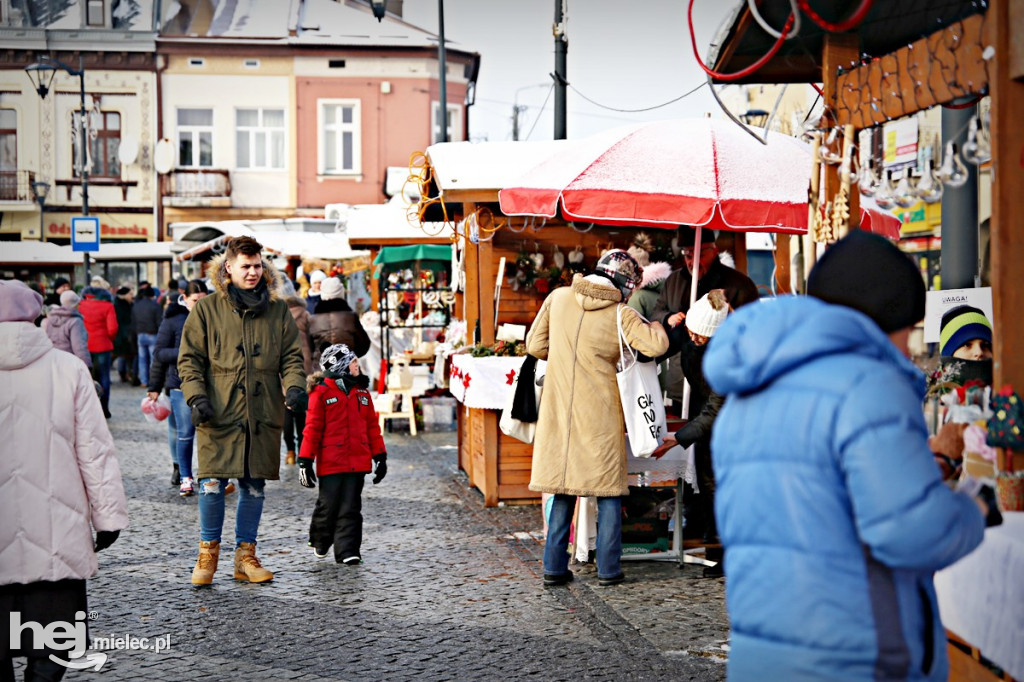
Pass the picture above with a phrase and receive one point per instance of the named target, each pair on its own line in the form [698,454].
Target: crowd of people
[804,471]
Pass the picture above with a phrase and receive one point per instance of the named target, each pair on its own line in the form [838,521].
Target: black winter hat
[59,282]
[868,273]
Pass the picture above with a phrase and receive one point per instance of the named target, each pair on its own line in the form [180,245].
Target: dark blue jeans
[609,536]
[101,363]
[180,433]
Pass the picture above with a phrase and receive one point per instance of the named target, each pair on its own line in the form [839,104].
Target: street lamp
[41,74]
[379,8]
[39,190]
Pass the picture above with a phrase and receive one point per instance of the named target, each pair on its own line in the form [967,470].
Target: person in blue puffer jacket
[829,504]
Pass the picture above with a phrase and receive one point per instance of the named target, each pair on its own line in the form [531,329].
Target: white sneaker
[351,560]
[186,489]
[321,553]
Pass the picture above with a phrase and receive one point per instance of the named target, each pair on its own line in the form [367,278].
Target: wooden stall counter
[496,464]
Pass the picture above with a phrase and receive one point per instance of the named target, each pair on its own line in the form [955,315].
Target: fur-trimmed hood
[220,279]
[654,274]
[594,291]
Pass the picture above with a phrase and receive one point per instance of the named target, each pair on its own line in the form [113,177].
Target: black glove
[105,538]
[202,410]
[987,495]
[307,479]
[296,400]
[380,467]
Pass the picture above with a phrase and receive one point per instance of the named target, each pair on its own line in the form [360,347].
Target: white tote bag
[515,428]
[642,404]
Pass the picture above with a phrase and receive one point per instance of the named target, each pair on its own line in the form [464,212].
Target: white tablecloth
[981,597]
[484,382]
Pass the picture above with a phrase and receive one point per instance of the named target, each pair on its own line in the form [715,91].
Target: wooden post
[782,257]
[472,294]
[487,480]
[487,273]
[840,50]
[1007,244]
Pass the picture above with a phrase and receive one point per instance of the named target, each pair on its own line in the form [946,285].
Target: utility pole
[516,110]
[561,49]
[443,118]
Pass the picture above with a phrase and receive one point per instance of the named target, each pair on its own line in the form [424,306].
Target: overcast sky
[622,55]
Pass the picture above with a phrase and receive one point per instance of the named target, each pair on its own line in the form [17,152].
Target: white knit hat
[331,288]
[317,276]
[708,313]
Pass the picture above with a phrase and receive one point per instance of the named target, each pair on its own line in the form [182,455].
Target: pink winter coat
[59,476]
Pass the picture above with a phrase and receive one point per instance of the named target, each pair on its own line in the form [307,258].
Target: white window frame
[268,132]
[454,122]
[355,127]
[195,131]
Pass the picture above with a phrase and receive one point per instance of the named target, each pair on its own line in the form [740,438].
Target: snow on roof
[48,252]
[312,22]
[127,15]
[378,222]
[486,165]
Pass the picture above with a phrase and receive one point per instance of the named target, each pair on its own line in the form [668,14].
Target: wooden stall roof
[387,224]
[888,26]
[467,172]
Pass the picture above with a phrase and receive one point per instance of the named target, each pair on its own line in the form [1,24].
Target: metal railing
[16,185]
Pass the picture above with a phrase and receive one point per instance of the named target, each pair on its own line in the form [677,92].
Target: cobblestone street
[448,589]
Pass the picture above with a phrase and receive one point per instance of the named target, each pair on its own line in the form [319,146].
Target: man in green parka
[240,352]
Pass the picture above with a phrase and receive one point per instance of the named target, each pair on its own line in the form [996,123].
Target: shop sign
[938,302]
[900,144]
[126,226]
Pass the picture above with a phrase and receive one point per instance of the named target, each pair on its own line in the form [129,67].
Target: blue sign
[85,234]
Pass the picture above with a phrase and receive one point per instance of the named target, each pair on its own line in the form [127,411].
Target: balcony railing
[16,186]
[196,187]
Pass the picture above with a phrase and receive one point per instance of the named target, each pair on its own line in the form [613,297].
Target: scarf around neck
[255,300]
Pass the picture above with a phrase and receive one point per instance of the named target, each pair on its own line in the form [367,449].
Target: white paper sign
[938,302]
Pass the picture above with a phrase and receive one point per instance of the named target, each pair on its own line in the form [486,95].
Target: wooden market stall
[879,62]
[530,257]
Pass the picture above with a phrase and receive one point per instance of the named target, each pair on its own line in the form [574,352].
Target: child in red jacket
[342,433]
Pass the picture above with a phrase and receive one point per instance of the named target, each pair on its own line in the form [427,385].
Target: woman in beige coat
[580,445]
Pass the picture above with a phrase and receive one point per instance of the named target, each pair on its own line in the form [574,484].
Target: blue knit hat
[960,325]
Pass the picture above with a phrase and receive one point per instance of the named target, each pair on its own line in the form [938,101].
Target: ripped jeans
[247,515]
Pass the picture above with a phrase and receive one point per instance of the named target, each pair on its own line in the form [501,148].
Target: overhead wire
[537,120]
[640,110]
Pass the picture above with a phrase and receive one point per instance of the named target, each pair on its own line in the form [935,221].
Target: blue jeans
[609,536]
[247,514]
[181,433]
[147,342]
[101,363]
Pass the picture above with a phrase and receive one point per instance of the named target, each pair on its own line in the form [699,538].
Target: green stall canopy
[404,254]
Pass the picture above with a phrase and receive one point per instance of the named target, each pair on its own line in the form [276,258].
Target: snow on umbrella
[702,172]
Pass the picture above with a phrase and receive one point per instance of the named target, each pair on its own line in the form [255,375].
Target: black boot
[176,476]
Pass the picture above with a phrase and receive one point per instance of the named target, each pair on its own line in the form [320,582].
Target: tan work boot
[289,458]
[248,567]
[206,565]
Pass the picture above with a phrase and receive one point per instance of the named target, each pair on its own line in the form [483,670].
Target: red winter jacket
[100,319]
[342,432]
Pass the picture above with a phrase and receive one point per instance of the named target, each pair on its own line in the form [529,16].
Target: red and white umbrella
[702,172]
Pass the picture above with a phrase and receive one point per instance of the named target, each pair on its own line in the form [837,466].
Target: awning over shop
[290,244]
[389,223]
[32,252]
[404,254]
